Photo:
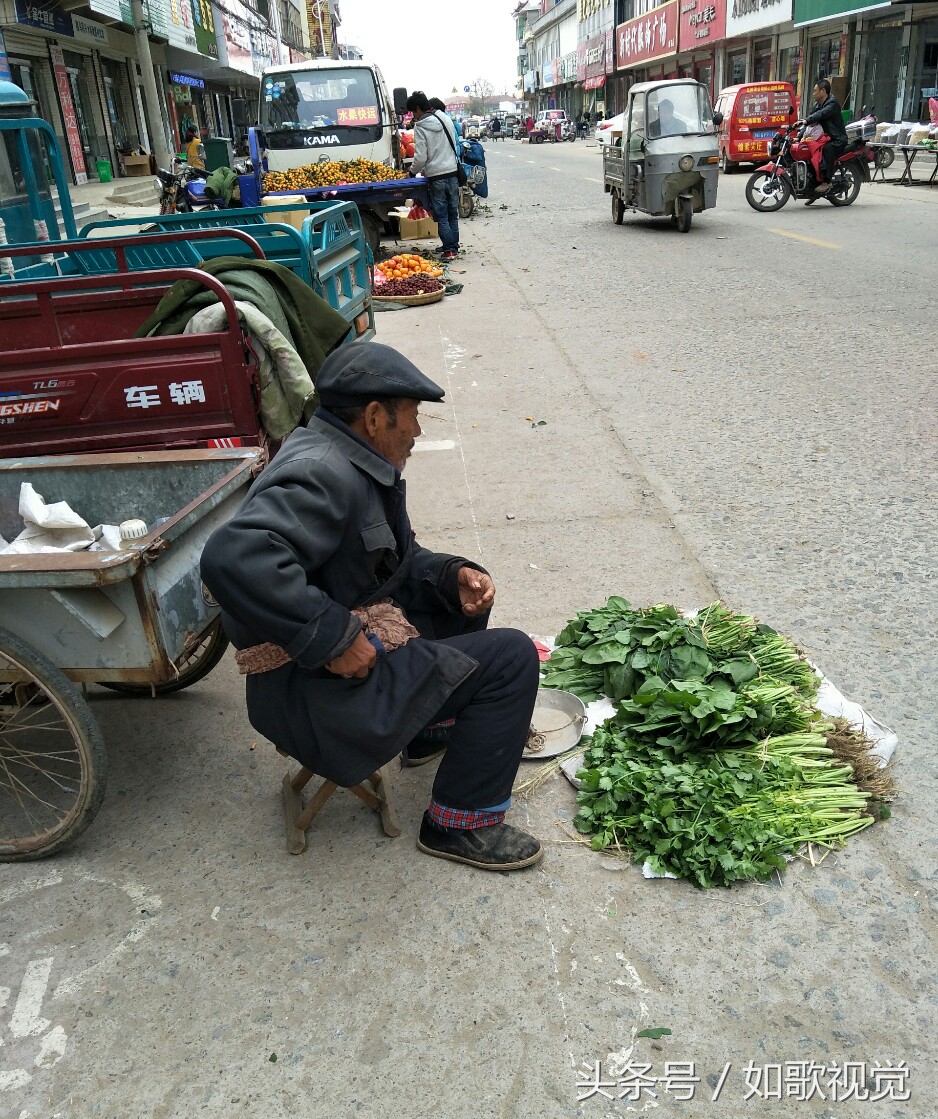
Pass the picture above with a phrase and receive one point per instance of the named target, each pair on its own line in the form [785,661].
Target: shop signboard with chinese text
[702,23]
[587,8]
[172,20]
[69,119]
[44,15]
[204,28]
[594,57]
[816,11]
[236,25]
[89,31]
[648,38]
[610,51]
[568,69]
[745,16]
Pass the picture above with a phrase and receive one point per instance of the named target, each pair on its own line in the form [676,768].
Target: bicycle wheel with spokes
[199,662]
[53,765]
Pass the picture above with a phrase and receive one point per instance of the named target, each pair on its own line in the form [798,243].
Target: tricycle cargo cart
[135,619]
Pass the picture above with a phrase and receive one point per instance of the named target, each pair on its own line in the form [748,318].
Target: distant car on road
[605,128]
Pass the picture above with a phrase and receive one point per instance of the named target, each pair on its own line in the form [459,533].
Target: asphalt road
[746,411]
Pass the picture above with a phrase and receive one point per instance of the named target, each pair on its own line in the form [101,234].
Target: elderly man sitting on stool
[355,640]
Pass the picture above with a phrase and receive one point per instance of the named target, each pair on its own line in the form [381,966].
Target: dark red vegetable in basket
[413,285]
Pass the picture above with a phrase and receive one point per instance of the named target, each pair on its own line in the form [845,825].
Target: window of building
[762,60]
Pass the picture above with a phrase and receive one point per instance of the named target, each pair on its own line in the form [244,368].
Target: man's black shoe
[420,752]
[497,847]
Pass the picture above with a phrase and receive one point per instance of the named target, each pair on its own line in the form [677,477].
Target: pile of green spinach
[714,766]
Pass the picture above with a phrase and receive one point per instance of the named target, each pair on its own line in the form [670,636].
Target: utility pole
[155,122]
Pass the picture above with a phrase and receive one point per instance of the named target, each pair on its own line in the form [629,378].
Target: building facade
[79,63]
[881,58]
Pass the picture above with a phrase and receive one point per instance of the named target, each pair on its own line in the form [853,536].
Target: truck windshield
[679,110]
[319,99]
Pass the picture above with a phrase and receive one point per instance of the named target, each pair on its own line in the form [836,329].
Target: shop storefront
[789,67]
[702,25]
[646,47]
[189,107]
[829,26]
[922,83]
[591,73]
[878,85]
[755,31]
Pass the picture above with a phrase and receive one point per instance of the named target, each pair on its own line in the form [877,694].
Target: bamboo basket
[411,300]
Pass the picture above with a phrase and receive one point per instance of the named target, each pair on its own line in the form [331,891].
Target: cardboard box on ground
[136,165]
[415,230]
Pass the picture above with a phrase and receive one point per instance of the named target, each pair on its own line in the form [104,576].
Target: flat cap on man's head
[364,371]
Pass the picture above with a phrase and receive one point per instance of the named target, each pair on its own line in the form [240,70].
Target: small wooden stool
[380,796]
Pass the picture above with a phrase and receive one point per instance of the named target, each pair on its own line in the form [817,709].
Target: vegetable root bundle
[717,763]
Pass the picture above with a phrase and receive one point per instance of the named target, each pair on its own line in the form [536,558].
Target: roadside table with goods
[909,153]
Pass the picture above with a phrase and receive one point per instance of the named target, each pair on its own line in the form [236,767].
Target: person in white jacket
[435,159]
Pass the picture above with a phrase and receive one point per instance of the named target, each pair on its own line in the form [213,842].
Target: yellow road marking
[807,240]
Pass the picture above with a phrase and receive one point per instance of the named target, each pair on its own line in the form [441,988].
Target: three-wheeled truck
[665,163]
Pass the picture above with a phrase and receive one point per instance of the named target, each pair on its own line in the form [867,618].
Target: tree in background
[481,92]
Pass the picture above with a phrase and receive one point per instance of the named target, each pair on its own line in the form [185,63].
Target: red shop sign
[703,22]
[651,36]
[68,114]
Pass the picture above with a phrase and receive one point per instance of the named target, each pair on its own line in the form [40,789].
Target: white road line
[52,1049]
[435,445]
[556,168]
[453,355]
[26,1020]
[600,181]
[531,161]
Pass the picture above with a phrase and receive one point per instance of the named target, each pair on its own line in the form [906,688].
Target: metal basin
[557,724]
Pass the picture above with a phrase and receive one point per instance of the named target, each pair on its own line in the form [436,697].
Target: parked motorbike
[792,172]
[472,158]
[182,190]
[568,130]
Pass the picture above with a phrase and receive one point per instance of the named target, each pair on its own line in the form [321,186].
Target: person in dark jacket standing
[829,116]
[322,546]
[435,158]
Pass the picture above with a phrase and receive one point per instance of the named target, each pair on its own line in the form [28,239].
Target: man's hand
[357,660]
[476,591]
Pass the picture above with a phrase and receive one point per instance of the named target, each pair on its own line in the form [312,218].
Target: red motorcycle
[793,172]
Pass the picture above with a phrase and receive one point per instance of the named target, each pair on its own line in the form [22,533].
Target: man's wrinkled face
[396,431]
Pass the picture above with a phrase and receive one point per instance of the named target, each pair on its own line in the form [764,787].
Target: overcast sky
[436,45]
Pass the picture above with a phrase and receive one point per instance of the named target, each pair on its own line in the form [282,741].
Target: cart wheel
[372,231]
[683,214]
[53,765]
[467,202]
[199,663]
[618,208]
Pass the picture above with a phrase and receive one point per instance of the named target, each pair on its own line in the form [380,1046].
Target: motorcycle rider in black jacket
[829,116]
